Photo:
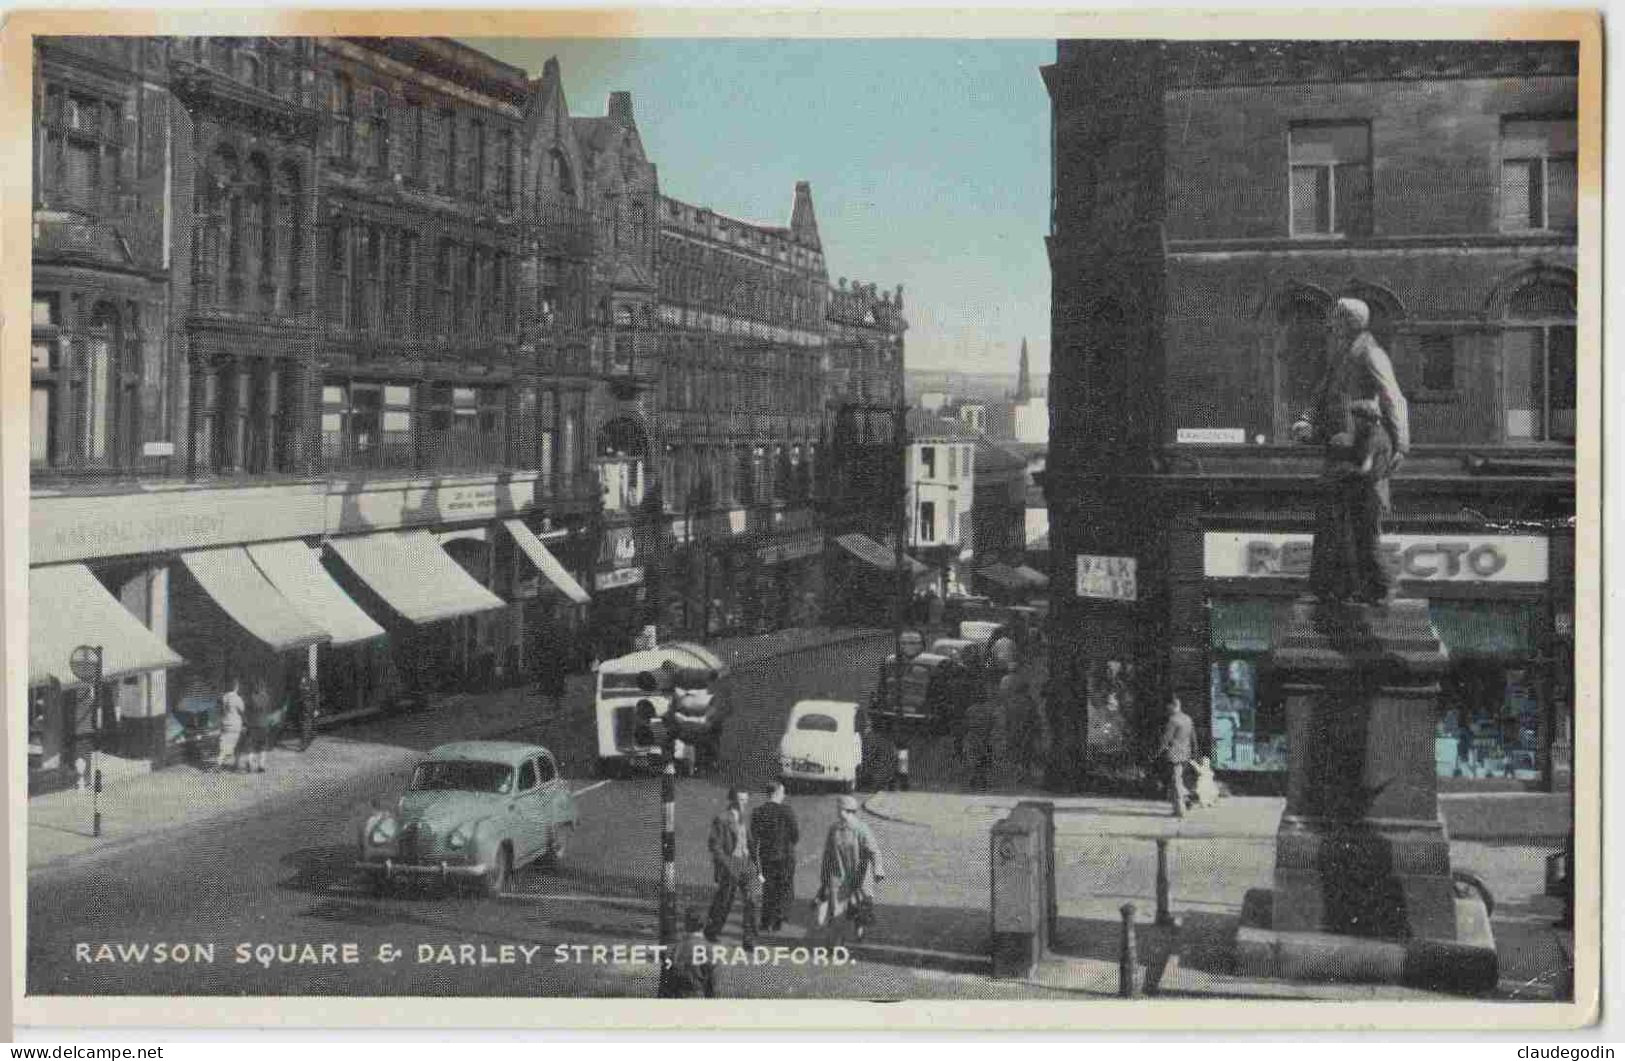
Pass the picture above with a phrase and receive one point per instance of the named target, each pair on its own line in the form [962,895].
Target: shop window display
[1248,731]
[1490,723]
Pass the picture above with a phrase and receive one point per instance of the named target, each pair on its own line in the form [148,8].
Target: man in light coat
[851,869]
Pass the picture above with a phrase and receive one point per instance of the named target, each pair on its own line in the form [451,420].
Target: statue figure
[1360,416]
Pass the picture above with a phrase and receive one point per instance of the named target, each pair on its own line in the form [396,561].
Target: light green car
[475,811]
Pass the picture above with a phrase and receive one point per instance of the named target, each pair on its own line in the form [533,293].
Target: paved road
[284,878]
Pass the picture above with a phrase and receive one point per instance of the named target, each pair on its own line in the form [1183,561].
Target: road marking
[589,788]
[602,900]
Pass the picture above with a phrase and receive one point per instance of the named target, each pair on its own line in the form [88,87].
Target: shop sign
[620,547]
[404,504]
[1418,557]
[1107,577]
[736,521]
[80,528]
[618,578]
[1211,436]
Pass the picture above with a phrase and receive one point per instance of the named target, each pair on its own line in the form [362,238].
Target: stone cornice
[203,91]
[1213,63]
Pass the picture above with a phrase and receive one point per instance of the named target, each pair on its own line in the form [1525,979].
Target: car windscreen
[462,775]
[623,681]
[822,723]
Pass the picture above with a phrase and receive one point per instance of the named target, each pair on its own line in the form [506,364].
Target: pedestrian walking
[310,707]
[684,970]
[981,741]
[774,833]
[733,861]
[1176,749]
[232,710]
[1022,722]
[550,675]
[257,726]
[851,868]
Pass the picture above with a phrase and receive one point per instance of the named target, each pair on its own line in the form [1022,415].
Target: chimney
[620,107]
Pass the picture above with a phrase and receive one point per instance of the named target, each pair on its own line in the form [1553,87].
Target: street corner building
[367,360]
[1211,201]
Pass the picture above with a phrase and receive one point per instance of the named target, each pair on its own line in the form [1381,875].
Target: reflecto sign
[1107,577]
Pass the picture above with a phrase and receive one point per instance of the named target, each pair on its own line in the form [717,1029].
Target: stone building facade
[1211,201]
[370,343]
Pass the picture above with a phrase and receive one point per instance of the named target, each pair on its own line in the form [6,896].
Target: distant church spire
[1024,382]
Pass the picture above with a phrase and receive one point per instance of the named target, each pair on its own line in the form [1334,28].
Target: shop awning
[872,552]
[67,608]
[296,571]
[1242,626]
[1031,576]
[1003,575]
[1485,628]
[230,577]
[546,562]
[414,576]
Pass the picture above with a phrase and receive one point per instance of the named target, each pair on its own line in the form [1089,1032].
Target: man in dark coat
[683,971]
[733,861]
[774,834]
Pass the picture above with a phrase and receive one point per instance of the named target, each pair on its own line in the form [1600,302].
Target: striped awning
[546,562]
[872,552]
[295,569]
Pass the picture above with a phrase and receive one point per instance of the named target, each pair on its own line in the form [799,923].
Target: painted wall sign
[404,504]
[1211,436]
[1107,577]
[1420,557]
[618,578]
[80,528]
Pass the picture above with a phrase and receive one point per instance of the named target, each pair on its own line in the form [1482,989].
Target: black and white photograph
[595,513]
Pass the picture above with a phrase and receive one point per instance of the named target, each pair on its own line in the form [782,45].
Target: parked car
[931,693]
[475,811]
[822,743]
[972,655]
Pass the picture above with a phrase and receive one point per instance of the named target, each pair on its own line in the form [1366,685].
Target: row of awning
[873,553]
[277,591]
[1019,577]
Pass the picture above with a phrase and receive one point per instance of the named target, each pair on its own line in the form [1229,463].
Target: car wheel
[501,871]
[558,845]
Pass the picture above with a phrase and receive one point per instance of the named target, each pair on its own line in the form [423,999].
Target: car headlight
[459,838]
[384,831]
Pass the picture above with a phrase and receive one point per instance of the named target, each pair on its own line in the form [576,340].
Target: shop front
[620,592]
[1490,600]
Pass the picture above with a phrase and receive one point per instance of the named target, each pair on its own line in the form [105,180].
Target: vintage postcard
[605,519]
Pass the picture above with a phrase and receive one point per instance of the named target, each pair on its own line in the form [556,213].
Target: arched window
[1300,354]
[1538,364]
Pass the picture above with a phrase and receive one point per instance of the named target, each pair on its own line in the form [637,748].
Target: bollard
[1164,914]
[902,769]
[668,852]
[96,812]
[1128,961]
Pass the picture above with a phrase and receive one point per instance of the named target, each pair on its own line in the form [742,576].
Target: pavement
[1106,856]
[932,940]
[139,804]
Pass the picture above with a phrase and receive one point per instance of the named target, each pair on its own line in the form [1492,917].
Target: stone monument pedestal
[1363,888]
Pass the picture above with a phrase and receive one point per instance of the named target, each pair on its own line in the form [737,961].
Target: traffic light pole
[668,845]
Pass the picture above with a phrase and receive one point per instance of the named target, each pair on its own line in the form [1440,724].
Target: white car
[821,743]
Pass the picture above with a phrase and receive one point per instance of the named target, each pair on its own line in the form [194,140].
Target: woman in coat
[851,869]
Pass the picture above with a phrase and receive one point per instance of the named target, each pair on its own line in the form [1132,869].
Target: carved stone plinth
[1361,852]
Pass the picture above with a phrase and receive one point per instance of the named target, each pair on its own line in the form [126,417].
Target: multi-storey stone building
[742,316]
[331,333]
[1211,201]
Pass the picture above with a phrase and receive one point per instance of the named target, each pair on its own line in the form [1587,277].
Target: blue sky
[929,162]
